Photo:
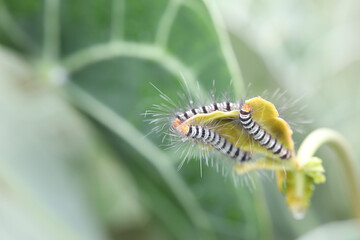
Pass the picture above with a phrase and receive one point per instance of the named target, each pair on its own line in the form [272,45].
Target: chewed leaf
[315,170]
[214,116]
[264,164]
[263,112]
[298,186]
[298,202]
[226,124]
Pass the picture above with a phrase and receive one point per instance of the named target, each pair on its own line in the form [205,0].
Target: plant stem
[327,136]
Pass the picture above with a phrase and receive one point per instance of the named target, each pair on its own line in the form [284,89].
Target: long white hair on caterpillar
[168,116]
[188,125]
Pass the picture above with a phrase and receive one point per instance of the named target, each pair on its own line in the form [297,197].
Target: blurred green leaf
[42,140]
[111,50]
[346,230]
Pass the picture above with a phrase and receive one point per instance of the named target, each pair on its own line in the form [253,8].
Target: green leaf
[298,186]
[111,51]
[263,112]
[42,141]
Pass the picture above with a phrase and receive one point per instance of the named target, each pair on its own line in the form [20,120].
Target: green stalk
[327,136]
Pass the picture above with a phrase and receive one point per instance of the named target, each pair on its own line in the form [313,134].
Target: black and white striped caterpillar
[254,129]
[214,139]
[222,127]
[260,135]
[223,106]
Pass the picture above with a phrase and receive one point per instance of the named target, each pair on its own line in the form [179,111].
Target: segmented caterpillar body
[214,139]
[260,135]
[223,106]
[223,126]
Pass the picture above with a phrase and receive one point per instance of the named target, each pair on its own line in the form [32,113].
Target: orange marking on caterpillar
[246,107]
[176,123]
[183,128]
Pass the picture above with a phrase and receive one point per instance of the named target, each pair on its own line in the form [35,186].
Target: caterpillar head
[246,107]
[181,127]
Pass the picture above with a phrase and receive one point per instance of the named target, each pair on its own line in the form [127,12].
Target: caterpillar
[223,120]
[247,122]
[210,137]
[260,135]
[223,106]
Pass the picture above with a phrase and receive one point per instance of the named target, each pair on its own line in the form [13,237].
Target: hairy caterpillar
[190,130]
[214,139]
[254,129]
[223,106]
[260,135]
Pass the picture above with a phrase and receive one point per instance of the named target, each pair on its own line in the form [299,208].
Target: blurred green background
[75,78]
